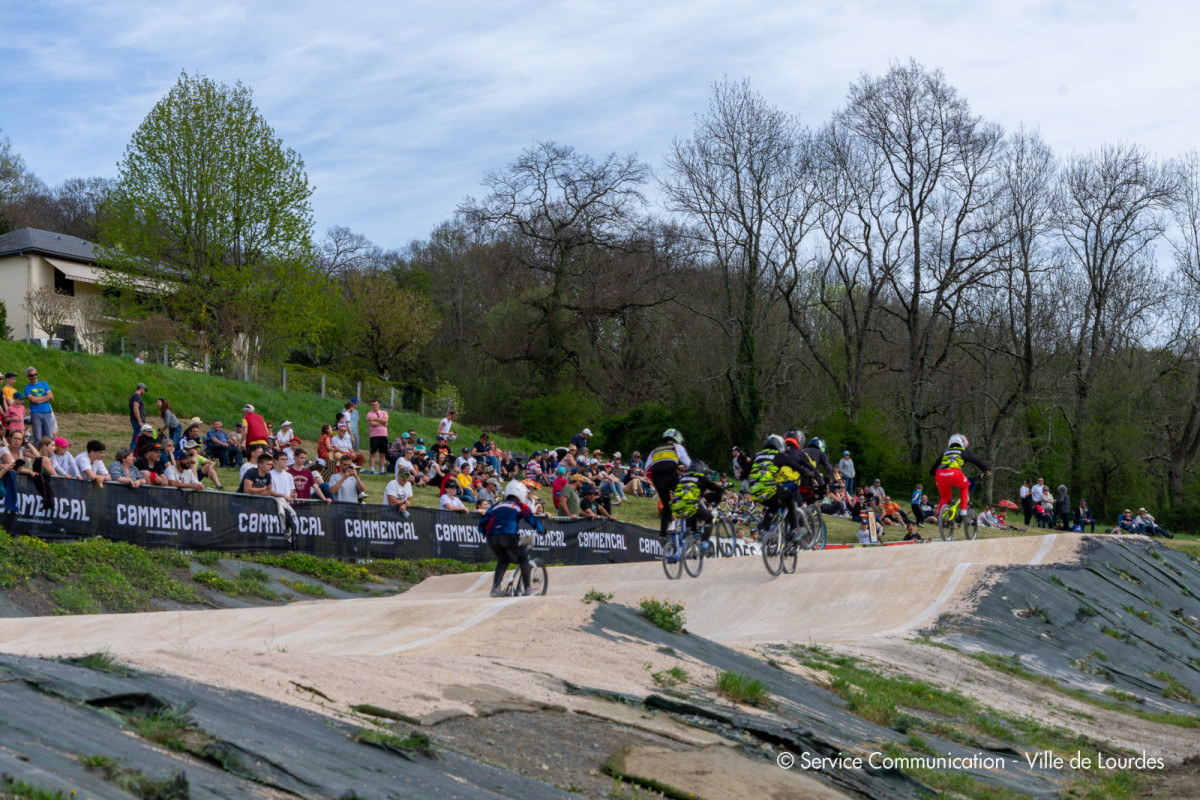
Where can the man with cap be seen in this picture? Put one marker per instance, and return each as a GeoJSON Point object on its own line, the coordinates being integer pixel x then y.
{"type": "Point", "coordinates": [64, 462]}
{"type": "Point", "coordinates": [590, 505]}
{"type": "Point", "coordinates": [580, 440]}
{"type": "Point", "coordinates": [398, 494]}
{"type": "Point", "coordinates": [151, 465]}
{"type": "Point", "coordinates": [566, 502]}
{"type": "Point", "coordinates": [876, 489]}
{"type": "Point", "coordinates": [137, 413]}
{"type": "Point", "coordinates": [846, 468]}
{"type": "Point", "coordinates": [91, 464]}
{"type": "Point", "coordinates": [182, 474]}
{"type": "Point", "coordinates": [254, 426]}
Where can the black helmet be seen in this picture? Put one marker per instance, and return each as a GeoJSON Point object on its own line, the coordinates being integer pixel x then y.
{"type": "Point", "coordinates": [773, 442]}
{"type": "Point", "coordinates": [817, 442]}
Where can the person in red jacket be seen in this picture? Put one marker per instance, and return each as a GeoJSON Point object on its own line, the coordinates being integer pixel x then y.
{"type": "Point", "coordinates": [255, 427]}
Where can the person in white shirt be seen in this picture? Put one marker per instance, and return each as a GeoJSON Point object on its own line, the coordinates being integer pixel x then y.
{"type": "Point", "coordinates": [465, 462]}
{"type": "Point", "coordinates": [445, 425]}
{"type": "Point", "coordinates": [398, 494]}
{"type": "Point", "coordinates": [64, 462]}
{"type": "Point", "coordinates": [403, 465]}
{"type": "Point", "coordinates": [450, 501]}
{"type": "Point", "coordinates": [282, 483]}
{"type": "Point", "coordinates": [284, 440]}
{"type": "Point", "coordinates": [91, 464]}
{"type": "Point", "coordinates": [182, 474]}
{"type": "Point", "coordinates": [342, 444]}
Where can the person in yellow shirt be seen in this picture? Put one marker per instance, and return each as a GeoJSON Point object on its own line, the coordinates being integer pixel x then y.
{"type": "Point", "coordinates": [9, 388]}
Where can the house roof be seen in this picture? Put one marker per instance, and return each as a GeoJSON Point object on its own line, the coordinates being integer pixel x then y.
{"type": "Point", "coordinates": [27, 240]}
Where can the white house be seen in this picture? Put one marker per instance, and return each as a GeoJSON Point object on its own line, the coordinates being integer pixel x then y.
{"type": "Point", "coordinates": [31, 258]}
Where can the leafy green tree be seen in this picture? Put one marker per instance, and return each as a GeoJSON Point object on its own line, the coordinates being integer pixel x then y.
{"type": "Point", "coordinates": [389, 325]}
{"type": "Point", "coordinates": [210, 223]}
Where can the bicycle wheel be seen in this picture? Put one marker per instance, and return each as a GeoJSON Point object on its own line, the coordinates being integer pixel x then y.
{"type": "Point", "coordinates": [671, 561]}
{"type": "Point", "coordinates": [945, 527]}
{"type": "Point", "coordinates": [815, 533]}
{"type": "Point", "coordinates": [539, 580]}
{"type": "Point", "coordinates": [772, 549]}
{"type": "Point", "coordinates": [970, 527]}
{"type": "Point", "coordinates": [788, 555]}
{"type": "Point", "coordinates": [693, 559]}
{"type": "Point", "coordinates": [723, 538]}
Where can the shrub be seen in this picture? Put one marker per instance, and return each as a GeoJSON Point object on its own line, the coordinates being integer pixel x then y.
{"type": "Point", "coordinates": [663, 613]}
{"type": "Point", "coordinates": [742, 689]}
{"type": "Point", "coordinates": [593, 596]}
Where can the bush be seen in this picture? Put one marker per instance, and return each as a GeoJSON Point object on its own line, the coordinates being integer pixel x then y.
{"type": "Point", "coordinates": [663, 613]}
{"type": "Point", "coordinates": [742, 689]}
{"type": "Point", "coordinates": [593, 596]}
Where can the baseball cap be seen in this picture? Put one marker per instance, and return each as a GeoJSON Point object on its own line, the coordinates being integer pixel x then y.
{"type": "Point", "coordinates": [591, 490]}
{"type": "Point", "coordinates": [420, 440]}
{"type": "Point", "coordinates": [61, 442]}
{"type": "Point", "coordinates": [248, 407]}
{"type": "Point", "coordinates": [576, 478]}
{"type": "Point", "coordinates": [13, 375]}
{"type": "Point", "coordinates": [139, 386]}
{"type": "Point", "coordinates": [735, 449]}
{"type": "Point", "coordinates": [404, 436]}
{"type": "Point", "coordinates": [562, 470]}
{"type": "Point", "coordinates": [147, 428]}
{"type": "Point", "coordinates": [617, 454]}
{"type": "Point", "coordinates": [587, 431]}
{"type": "Point", "coordinates": [190, 445]}
{"type": "Point", "coordinates": [878, 481]}
{"type": "Point", "coordinates": [353, 399]}
{"type": "Point", "coordinates": [845, 452]}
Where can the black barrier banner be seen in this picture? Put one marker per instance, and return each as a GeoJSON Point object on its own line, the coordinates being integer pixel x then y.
{"type": "Point", "coordinates": [153, 516]}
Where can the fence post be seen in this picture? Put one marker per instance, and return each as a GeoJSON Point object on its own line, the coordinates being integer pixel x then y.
{"type": "Point", "coordinates": [322, 385]}
{"type": "Point", "coordinates": [122, 345]}
{"type": "Point", "coordinates": [359, 394]}
{"type": "Point", "coordinates": [246, 371]}
{"type": "Point", "coordinates": [393, 398]}
{"type": "Point", "coordinates": [285, 379]}
{"type": "Point", "coordinates": [164, 355]}
{"type": "Point", "coordinates": [206, 367]}
{"type": "Point", "coordinates": [422, 404]}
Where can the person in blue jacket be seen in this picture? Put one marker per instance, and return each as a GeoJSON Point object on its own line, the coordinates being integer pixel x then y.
{"type": "Point", "coordinates": [500, 525]}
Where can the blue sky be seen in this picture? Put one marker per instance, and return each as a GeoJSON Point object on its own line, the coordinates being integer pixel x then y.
{"type": "Point", "coordinates": [398, 108]}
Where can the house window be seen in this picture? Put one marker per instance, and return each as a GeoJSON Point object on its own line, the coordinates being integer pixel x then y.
{"type": "Point", "coordinates": [63, 284]}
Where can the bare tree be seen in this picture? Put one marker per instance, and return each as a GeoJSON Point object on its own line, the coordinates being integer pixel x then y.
{"type": "Point", "coordinates": [92, 319]}
{"type": "Point", "coordinates": [49, 308]}
{"type": "Point", "coordinates": [343, 250]}
{"type": "Point", "coordinates": [1112, 209]}
{"type": "Point", "coordinates": [941, 164]}
{"type": "Point", "coordinates": [744, 182]}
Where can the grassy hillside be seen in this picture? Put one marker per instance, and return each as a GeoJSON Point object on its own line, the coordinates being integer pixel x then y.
{"type": "Point", "coordinates": [87, 384]}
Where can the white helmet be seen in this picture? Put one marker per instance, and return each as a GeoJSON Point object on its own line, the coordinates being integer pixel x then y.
{"type": "Point", "coordinates": [958, 440]}
{"type": "Point", "coordinates": [517, 489]}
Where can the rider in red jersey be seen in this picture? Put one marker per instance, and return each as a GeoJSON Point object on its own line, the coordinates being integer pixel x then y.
{"type": "Point", "coordinates": [947, 470]}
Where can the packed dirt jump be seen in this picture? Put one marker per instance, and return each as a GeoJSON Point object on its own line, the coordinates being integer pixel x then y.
{"type": "Point", "coordinates": [528, 685]}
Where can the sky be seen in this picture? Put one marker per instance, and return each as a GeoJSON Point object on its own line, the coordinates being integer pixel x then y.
{"type": "Point", "coordinates": [398, 109]}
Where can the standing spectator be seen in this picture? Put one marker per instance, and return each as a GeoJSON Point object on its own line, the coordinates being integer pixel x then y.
{"type": "Point", "coordinates": [917, 494]}
{"type": "Point", "coordinates": [846, 468]}
{"type": "Point", "coordinates": [140, 358]}
{"type": "Point", "coordinates": [1146, 522]}
{"type": "Point", "coordinates": [171, 422]}
{"type": "Point", "coordinates": [377, 438]}
{"type": "Point", "coordinates": [1083, 516]}
{"type": "Point", "coordinates": [217, 442]}
{"type": "Point", "coordinates": [308, 482]}
{"type": "Point", "coordinates": [91, 463]}
{"type": "Point", "coordinates": [447, 423]}
{"type": "Point", "coordinates": [1038, 494]}
{"type": "Point", "coordinates": [237, 440]}
{"type": "Point", "coordinates": [1027, 499]}
{"type": "Point", "coordinates": [9, 389]}
{"type": "Point", "coordinates": [64, 462]}
{"type": "Point", "coordinates": [346, 486]}
{"type": "Point", "coordinates": [255, 427]}
{"type": "Point", "coordinates": [1063, 509]}
{"type": "Point", "coordinates": [14, 415]}
{"type": "Point", "coordinates": [39, 396]}
{"type": "Point", "coordinates": [352, 421]}
{"type": "Point", "coordinates": [580, 439]}
{"type": "Point", "coordinates": [398, 494]}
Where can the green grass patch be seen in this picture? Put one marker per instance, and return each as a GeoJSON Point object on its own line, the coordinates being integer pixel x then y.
{"type": "Point", "coordinates": [250, 572]}
{"type": "Point", "coordinates": [208, 558]}
{"type": "Point", "coordinates": [102, 661]}
{"type": "Point", "coordinates": [416, 570]}
{"type": "Point", "coordinates": [742, 689]}
{"type": "Point", "coordinates": [13, 789]}
{"type": "Point", "coordinates": [1011, 665]}
{"type": "Point", "coordinates": [347, 577]}
{"type": "Point", "coordinates": [593, 596]}
{"type": "Point", "coordinates": [235, 587]}
{"type": "Point", "coordinates": [117, 772]}
{"type": "Point", "coordinates": [1174, 689]}
{"type": "Point", "coordinates": [671, 678]}
{"type": "Point", "coordinates": [663, 613]}
{"type": "Point", "coordinates": [401, 745]}
{"type": "Point", "coordinates": [309, 589]}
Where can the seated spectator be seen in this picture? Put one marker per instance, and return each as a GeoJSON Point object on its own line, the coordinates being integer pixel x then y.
{"type": "Point", "coordinates": [539, 508]}
{"type": "Point", "coordinates": [441, 446]}
{"type": "Point", "coordinates": [64, 462]}
{"type": "Point", "coordinates": [218, 446]}
{"type": "Point", "coordinates": [449, 500]}
{"type": "Point", "coordinates": [345, 484]}
{"type": "Point", "coordinates": [1149, 526]}
{"type": "Point", "coordinates": [1127, 524]}
{"type": "Point", "coordinates": [836, 501]}
{"type": "Point", "coordinates": [152, 465]}
{"type": "Point", "coordinates": [876, 489]}
{"type": "Point", "coordinates": [568, 461]}
{"type": "Point", "coordinates": [396, 450]}
{"type": "Point", "coordinates": [987, 518]}
{"type": "Point", "coordinates": [911, 534]}
{"type": "Point", "coordinates": [890, 513]}
{"type": "Point", "coordinates": [257, 480]}
{"type": "Point", "coordinates": [91, 463]}
{"type": "Point", "coordinates": [205, 467]}
{"type": "Point", "coordinates": [287, 440]}
{"type": "Point", "coordinates": [181, 474]}
{"type": "Point", "coordinates": [1044, 512]}
{"type": "Point", "coordinates": [343, 445]}
{"type": "Point", "coordinates": [325, 445]}
{"type": "Point", "coordinates": [509, 468]}
{"type": "Point", "coordinates": [636, 483]}
{"type": "Point", "coordinates": [465, 461]}
{"type": "Point", "coordinates": [859, 504]}
{"type": "Point", "coordinates": [125, 471]}
{"type": "Point", "coordinates": [590, 505]}
{"type": "Point", "coordinates": [146, 439]}
{"type": "Point", "coordinates": [237, 440]}
{"type": "Point", "coordinates": [533, 467]}
{"type": "Point", "coordinates": [168, 452]}
{"type": "Point", "coordinates": [488, 491]}
{"type": "Point", "coordinates": [436, 469]}
{"type": "Point", "coordinates": [1083, 517]}
{"type": "Point", "coordinates": [610, 484]}
{"type": "Point", "coordinates": [398, 494]}
{"type": "Point", "coordinates": [927, 509]}
{"type": "Point", "coordinates": [566, 501]}
{"type": "Point", "coordinates": [420, 467]}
